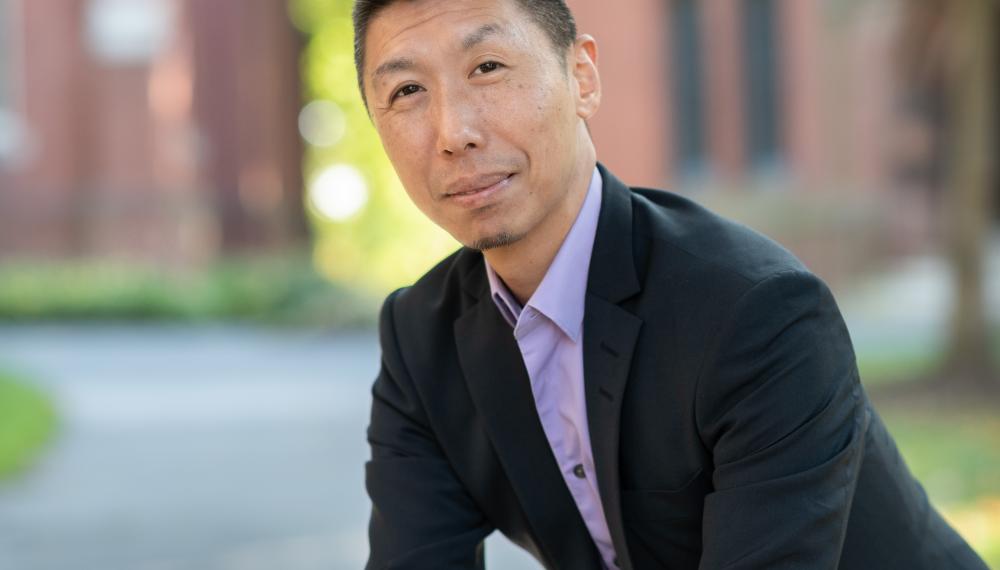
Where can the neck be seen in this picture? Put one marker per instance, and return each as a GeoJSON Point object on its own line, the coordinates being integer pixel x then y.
{"type": "Point", "coordinates": [522, 265]}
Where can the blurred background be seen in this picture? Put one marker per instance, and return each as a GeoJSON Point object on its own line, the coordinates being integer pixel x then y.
{"type": "Point", "coordinates": [198, 224]}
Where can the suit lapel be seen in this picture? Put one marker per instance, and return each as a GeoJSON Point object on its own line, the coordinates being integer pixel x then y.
{"type": "Point", "coordinates": [609, 337]}
{"type": "Point", "coordinates": [499, 385]}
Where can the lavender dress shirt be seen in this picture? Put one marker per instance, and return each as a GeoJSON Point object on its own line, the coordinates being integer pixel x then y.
{"type": "Point", "coordinates": [549, 331]}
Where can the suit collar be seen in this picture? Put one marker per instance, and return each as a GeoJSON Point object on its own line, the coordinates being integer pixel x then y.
{"type": "Point", "coordinates": [613, 275]}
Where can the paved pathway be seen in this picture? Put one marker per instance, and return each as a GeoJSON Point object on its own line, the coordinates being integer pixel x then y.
{"type": "Point", "coordinates": [196, 448]}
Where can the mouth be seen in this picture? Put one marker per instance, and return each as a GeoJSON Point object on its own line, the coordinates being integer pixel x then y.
{"type": "Point", "coordinates": [478, 191]}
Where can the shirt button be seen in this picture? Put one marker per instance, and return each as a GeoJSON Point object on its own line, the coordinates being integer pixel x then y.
{"type": "Point", "coordinates": [579, 472]}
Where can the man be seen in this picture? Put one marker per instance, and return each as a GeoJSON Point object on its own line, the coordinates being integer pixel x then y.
{"type": "Point", "coordinates": [612, 377]}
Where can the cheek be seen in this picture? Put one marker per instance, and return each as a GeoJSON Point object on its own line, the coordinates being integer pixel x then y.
{"type": "Point", "coordinates": [530, 114]}
{"type": "Point", "coordinates": [405, 143]}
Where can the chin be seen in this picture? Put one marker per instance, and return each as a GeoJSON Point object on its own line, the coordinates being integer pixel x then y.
{"type": "Point", "coordinates": [494, 241]}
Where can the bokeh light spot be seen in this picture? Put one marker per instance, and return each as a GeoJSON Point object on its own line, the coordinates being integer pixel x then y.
{"type": "Point", "coordinates": [321, 123]}
{"type": "Point", "coordinates": [338, 192]}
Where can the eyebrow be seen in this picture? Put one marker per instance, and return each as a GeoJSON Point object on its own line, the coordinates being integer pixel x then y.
{"type": "Point", "coordinates": [479, 36]}
{"type": "Point", "coordinates": [393, 66]}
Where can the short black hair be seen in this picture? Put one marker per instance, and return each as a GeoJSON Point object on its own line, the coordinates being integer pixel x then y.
{"type": "Point", "coordinates": [552, 16]}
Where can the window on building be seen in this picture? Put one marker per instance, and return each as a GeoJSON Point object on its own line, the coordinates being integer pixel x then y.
{"type": "Point", "coordinates": [5, 51]}
{"type": "Point", "coordinates": [688, 95]}
{"type": "Point", "coordinates": [762, 83]}
{"type": "Point", "coordinates": [996, 119]}
{"type": "Point", "coordinates": [126, 32]}
{"type": "Point", "coordinates": [12, 133]}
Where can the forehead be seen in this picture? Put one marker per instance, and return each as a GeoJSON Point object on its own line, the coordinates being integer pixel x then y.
{"type": "Point", "coordinates": [411, 29]}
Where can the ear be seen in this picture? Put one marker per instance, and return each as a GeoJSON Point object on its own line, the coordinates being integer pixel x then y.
{"type": "Point", "coordinates": [588, 81]}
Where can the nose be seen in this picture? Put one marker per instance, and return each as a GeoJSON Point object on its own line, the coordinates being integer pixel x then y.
{"type": "Point", "coordinates": [458, 124]}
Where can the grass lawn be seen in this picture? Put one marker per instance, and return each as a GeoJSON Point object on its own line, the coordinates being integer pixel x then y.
{"type": "Point", "coordinates": [953, 451]}
{"type": "Point", "coordinates": [956, 456]}
{"type": "Point", "coordinates": [27, 419]}
{"type": "Point", "coordinates": [265, 290]}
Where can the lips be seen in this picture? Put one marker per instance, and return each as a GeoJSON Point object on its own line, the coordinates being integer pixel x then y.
{"type": "Point", "coordinates": [477, 191]}
{"type": "Point", "coordinates": [473, 184]}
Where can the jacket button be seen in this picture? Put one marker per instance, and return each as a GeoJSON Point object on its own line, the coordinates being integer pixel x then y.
{"type": "Point", "coordinates": [579, 472]}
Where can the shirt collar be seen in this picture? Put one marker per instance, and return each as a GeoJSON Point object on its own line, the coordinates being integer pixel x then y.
{"type": "Point", "coordinates": [561, 294]}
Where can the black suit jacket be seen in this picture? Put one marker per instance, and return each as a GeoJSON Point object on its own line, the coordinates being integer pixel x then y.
{"type": "Point", "coordinates": [728, 426]}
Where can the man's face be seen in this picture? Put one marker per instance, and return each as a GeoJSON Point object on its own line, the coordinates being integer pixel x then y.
{"type": "Point", "coordinates": [480, 116]}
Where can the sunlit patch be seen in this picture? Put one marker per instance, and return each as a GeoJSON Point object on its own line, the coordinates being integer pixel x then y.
{"type": "Point", "coordinates": [129, 31]}
{"type": "Point", "coordinates": [13, 137]}
{"type": "Point", "coordinates": [979, 523]}
{"type": "Point", "coordinates": [321, 123]}
{"type": "Point", "coordinates": [338, 192]}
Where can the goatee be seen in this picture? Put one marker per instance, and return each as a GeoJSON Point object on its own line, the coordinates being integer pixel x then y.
{"type": "Point", "coordinates": [501, 239]}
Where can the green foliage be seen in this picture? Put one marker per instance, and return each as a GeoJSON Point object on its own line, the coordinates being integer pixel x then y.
{"type": "Point", "coordinates": [275, 290]}
{"type": "Point", "coordinates": [892, 362]}
{"type": "Point", "coordinates": [896, 364]}
{"type": "Point", "coordinates": [956, 456]}
{"type": "Point", "coordinates": [389, 243]}
{"type": "Point", "coordinates": [27, 420]}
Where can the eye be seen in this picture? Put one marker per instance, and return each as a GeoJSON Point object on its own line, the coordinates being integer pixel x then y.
{"type": "Point", "coordinates": [406, 91]}
{"type": "Point", "coordinates": [487, 67]}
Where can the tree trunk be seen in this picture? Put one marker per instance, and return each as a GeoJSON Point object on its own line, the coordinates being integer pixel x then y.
{"type": "Point", "coordinates": [972, 143]}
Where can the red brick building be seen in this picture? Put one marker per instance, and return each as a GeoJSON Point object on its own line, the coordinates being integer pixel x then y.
{"type": "Point", "coordinates": [776, 101]}
{"type": "Point", "coordinates": [156, 129]}
{"type": "Point", "coordinates": [714, 91]}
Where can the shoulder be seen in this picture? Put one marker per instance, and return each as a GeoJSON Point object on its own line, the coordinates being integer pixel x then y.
{"type": "Point", "coordinates": [676, 230]}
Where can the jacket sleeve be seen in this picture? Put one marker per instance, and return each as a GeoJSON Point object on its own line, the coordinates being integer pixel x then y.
{"type": "Point", "coordinates": [780, 407]}
{"type": "Point", "coordinates": [422, 516]}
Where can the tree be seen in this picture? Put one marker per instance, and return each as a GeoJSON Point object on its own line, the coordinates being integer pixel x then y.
{"type": "Point", "coordinates": [950, 48]}
{"type": "Point", "coordinates": [971, 175]}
